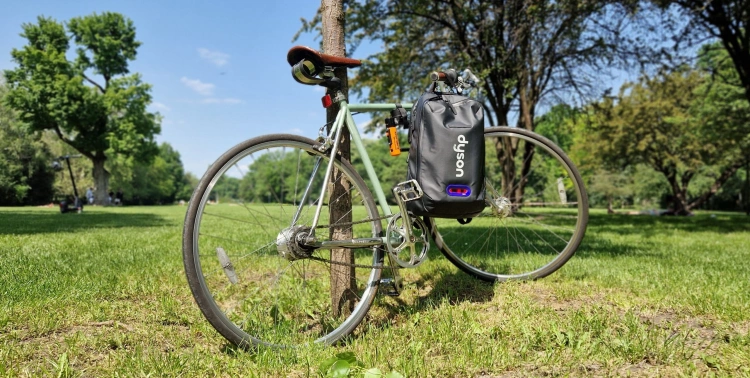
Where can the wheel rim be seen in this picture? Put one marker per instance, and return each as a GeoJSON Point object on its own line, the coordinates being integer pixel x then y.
{"type": "Point", "coordinates": [519, 236]}
{"type": "Point", "coordinates": [251, 294]}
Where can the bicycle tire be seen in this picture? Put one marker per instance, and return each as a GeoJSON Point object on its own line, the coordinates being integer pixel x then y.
{"type": "Point", "coordinates": [535, 234]}
{"type": "Point", "coordinates": [238, 318]}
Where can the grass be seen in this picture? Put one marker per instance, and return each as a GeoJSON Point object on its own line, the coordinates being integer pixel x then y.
{"type": "Point", "coordinates": [103, 293]}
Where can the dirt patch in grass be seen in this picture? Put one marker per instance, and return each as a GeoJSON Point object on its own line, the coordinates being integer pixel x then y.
{"type": "Point", "coordinates": [700, 338]}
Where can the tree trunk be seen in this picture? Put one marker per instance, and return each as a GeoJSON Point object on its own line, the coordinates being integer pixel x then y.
{"type": "Point", "coordinates": [343, 283]}
{"type": "Point", "coordinates": [609, 205]}
{"type": "Point", "coordinates": [679, 196]}
{"type": "Point", "coordinates": [101, 182]}
{"type": "Point", "coordinates": [528, 156]}
{"type": "Point", "coordinates": [505, 149]}
{"type": "Point", "coordinates": [726, 175]}
{"type": "Point", "coordinates": [746, 189]}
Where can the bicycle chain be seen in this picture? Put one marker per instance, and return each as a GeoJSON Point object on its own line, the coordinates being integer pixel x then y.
{"type": "Point", "coordinates": [353, 265]}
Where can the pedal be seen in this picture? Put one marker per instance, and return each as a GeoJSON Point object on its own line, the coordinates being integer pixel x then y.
{"type": "Point", "coordinates": [389, 286]}
{"type": "Point", "coordinates": [408, 191]}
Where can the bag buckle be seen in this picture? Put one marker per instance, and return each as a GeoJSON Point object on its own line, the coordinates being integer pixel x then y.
{"type": "Point", "coordinates": [408, 190]}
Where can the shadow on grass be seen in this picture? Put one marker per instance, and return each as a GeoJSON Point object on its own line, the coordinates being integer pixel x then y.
{"type": "Point", "coordinates": [649, 226]}
{"type": "Point", "coordinates": [439, 285]}
{"type": "Point", "coordinates": [29, 223]}
{"type": "Point", "coordinates": [650, 232]}
{"type": "Point", "coordinates": [454, 287]}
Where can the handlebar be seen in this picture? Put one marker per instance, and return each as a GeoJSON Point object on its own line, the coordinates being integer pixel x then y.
{"type": "Point", "coordinates": [467, 79]}
{"type": "Point", "coordinates": [450, 76]}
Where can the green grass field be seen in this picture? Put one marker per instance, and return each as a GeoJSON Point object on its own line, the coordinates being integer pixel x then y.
{"type": "Point", "coordinates": [104, 294]}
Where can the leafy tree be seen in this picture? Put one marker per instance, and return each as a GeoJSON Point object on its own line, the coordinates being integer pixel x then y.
{"type": "Point", "coordinates": [526, 51]}
{"type": "Point", "coordinates": [228, 188]}
{"type": "Point", "coordinates": [189, 183]}
{"type": "Point", "coordinates": [156, 182]}
{"type": "Point", "coordinates": [728, 21]}
{"type": "Point", "coordinates": [610, 185]}
{"type": "Point", "coordinates": [99, 119]}
{"type": "Point", "coordinates": [25, 176]}
{"type": "Point", "coordinates": [669, 123]}
{"type": "Point", "coordinates": [557, 125]}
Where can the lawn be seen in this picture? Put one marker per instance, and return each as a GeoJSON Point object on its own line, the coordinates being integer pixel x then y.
{"type": "Point", "coordinates": [103, 293]}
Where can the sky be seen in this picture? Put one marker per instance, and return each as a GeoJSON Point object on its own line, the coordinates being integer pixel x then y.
{"type": "Point", "coordinates": [218, 69]}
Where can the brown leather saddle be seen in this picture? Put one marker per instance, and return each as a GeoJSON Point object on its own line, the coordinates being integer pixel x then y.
{"type": "Point", "coordinates": [320, 60]}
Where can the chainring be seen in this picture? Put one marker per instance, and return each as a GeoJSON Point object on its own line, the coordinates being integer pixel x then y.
{"type": "Point", "coordinates": [407, 253]}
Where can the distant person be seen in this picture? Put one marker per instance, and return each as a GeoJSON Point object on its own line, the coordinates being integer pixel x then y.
{"type": "Point", "coordinates": [118, 197]}
{"type": "Point", "coordinates": [90, 195]}
{"type": "Point", "coordinates": [65, 205]}
{"type": "Point", "coordinates": [111, 197]}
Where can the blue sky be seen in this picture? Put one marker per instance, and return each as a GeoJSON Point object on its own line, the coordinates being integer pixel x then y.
{"type": "Point", "coordinates": [218, 69]}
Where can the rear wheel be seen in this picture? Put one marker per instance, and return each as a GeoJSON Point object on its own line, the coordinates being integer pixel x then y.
{"type": "Point", "coordinates": [242, 223]}
{"type": "Point", "coordinates": [536, 214]}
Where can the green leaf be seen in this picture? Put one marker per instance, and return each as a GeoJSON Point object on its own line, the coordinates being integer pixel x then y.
{"type": "Point", "coordinates": [348, 357]}
{"type": "Point", "coordinates": [326, 364]}
{"type": "Point", "coordinates": [394, 374]}
{"type": "Point", "coordinates": [339, 369]}
{"type": "Point", "coordinates": [373, 373]}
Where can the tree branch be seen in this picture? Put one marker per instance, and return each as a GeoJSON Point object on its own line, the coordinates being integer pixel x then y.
{"type": "Point", "coordinates": [93, 82]}
{"type": "Point", "coordinates": [70, 142]}
{"type": "Point", "coordinates": [717, 184]}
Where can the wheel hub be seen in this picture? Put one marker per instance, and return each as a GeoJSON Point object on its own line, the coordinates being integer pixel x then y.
{"type": "Point", "coordinates": [502, 207]}
{"type": "Point", "coordinates": [288, 243]}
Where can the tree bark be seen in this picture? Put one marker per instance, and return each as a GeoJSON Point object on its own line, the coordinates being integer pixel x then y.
{"type": "Point", "coordinates": [679, 195]}
{"type": "Point", "coordinates": [101, 181]}
{"type": "Point", "coordinates": [343, 280]}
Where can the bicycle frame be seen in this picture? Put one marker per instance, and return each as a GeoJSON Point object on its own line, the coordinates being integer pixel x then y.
{"type": "Point", "coordinates": [344, 120]}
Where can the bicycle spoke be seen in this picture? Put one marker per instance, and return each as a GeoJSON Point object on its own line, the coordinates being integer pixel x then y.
{"type": "Point", "coordinates": [538, 231]}
{"type": "Point", "coordinates": [252, 265]}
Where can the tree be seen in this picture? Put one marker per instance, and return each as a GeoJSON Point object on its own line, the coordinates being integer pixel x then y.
{"type": "Point", "coordinates": [670, 123]}
{"type": "Point", "coordinates": [158, 181]}
{"type": "Point", "coordinates": [342, 276]}
{"type": "Point", "coordinates": [25, 174]}
{"type": "Point", "coordinates": [726, 20]}
{"type": "Point", "coordinates": [557, 125]}
{"type": "Point", "coordinates": [611, 185]}
{"type": "Point", "coordinates": [100, 119]}
{"type": "Point", "coordinates": [189, 183]}
{"type": "Point", "coordinates": [526, 51]}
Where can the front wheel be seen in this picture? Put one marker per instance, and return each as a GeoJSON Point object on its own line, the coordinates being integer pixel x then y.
{"type": "Point", "coordinates": [243, 260]}
{"type": "Point", "coordinates": [536, 214]}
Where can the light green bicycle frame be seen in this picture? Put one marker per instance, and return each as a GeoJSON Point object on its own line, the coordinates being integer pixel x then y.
{"type": "Point", "coordinates": [344, 118]}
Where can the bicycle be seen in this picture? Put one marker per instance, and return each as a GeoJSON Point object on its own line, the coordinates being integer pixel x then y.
{"type": "Point", "coordinates": [260, 269]}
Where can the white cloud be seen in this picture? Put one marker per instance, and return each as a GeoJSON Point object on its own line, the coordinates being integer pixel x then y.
{"type": "Point", "coordinates": [216, 57]}
{"type": "Point", "coordinates": [227, 100]}
{"type": "Point", "coordinates": [200, 87]}
{"type": "Point", "coordinates": [160, 106]}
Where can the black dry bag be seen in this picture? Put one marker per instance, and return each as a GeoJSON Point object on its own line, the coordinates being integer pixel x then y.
{"type": "Point", "coordinates": [446, 156]}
